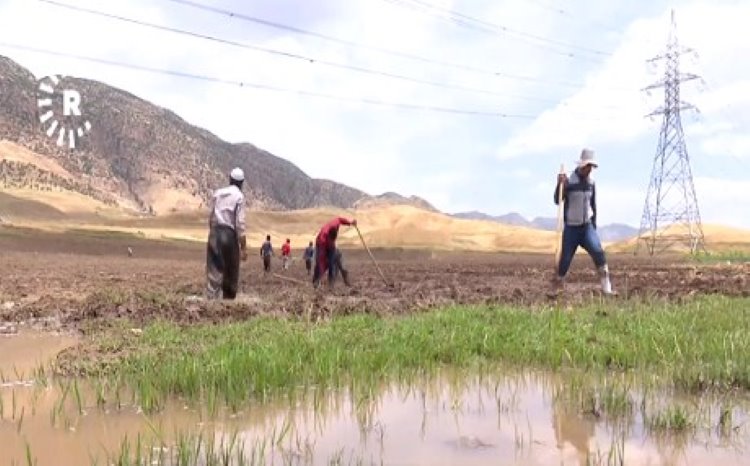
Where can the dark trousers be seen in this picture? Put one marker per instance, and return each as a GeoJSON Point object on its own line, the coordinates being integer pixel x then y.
{"type": "Point", "coordinates": [324, 260]}
{"type": "Point", "coordinates": [584, 236]}
{"type": "Point", "coordinates": [222, 262]}
{"type": "Point", "coordinates": [333, 261]}
{"type": "Point", "coordinates": [267, 263]}
{"type": "Point", "coordinates": [308, 265]}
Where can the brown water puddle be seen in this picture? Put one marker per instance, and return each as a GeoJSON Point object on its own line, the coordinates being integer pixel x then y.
{"type": "Point", "coordinates": [25, 350]}
{"type": "Point", "coordinates": [513, 419]}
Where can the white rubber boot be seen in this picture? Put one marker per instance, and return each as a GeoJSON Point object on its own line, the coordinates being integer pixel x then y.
{"type": "Point", "coordinates": [604, 278]}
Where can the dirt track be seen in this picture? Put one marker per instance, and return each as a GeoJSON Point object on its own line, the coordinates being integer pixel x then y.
{"type": "Point", "coordinates": [75, 279]}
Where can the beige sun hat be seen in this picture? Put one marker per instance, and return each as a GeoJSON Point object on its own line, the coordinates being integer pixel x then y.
{"type": "Point", "coordinates": [587, 158]}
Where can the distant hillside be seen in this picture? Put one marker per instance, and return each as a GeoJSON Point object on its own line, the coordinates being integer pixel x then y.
{"type": "Point", "coordinates": [608, 233]}
{"type": "Point", "coordinates": [718, 238]}
{"type": "Point", "coordinates": [391, 198]}
{"type": "Point", "coordinates": [389, 226]}
{"type": "Point", "coordinates": [508, 219]}
{"type": "Point", "coordinates": [617, 232]}
{"type": "Point", "coordinates": [143, 157]}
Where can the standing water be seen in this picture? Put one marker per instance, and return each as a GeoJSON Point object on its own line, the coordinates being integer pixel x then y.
{"type": "Point", "coordinates": [528, 418]}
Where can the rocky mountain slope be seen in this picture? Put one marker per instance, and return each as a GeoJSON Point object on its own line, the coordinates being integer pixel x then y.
{"type": "Point", "coordinates": [145, 157]}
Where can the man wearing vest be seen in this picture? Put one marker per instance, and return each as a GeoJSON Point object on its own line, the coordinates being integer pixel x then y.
{"type": "Point", "coordinates": [579, 196]}
{"type": "Point", "coordinates": [226, 238]}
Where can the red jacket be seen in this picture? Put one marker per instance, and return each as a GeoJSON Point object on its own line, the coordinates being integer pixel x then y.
{"type": "Point", "coordinates": [286, 249]}
{"type": "Point", "coordinates": [323, 239]}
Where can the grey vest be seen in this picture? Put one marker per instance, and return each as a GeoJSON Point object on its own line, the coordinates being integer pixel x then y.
{"type": "Point", "coordinates": [580, 200]}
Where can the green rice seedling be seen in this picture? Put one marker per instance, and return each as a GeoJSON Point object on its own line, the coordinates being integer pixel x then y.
{"type": "Point", "coordinates": [78, 397]}
{"type": "Point", "coordinates": [99, 390]}
{"type": "Point", "coordinates": [53, 416]}
{"type": "Point", "coordinates": [138, 449]}
{"type": "Point", "coordinates": [617, 450]}
{"type": "Point", "coordinates": [616, 401]}
{"type": "Point", "coordinates": [65, 389]}
{"type": "Point", "coordinates": [155, 430]}
{"type": "Point", "coordinates": [19, 425]}
{"type": "Point", "coordinates": [185, 449]}
{"type": "Point", "coordinates": [40, 375]}
{"type": "Point", "coordinates": [286, 427]}
{"type": "Point", "coordinates": [725, 423]}
{"type": "Point", "coordinates": [674, 418]}
{"type": "Point", "coordinates": [30, 460]}
{"type": "Point", "coordinates": [35, 399]}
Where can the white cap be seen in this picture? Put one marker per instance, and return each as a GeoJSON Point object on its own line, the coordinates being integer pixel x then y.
{"type": "Point", "coordinates": [237, 174]}
{"type": "Point", "coordinates": [587, 158]}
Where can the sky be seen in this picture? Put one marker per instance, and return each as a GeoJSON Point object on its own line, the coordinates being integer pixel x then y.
{"type": "Point", "coordinates": [536, 81]}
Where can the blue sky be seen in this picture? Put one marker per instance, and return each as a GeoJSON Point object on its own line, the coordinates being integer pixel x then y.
{"type": "Point", "coordinates": [457, 162]}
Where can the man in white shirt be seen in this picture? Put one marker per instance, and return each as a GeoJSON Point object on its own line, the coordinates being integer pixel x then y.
{"type": "Point", "coordinates": [226, 238]}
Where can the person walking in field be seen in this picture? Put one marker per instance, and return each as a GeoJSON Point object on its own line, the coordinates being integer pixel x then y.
{"type": "Point", "coordinates": [266, 252]}
{"type": "Point", "coordinates": [286, 254]}
{"type": "Point", "coordinates": [308, 256]}
{"type": "Point", "coordinates": [325, 250]}
{"type": "Point", "coordinates": [226, 238]}
{"type": "Point", "coordinates": [579, 197]}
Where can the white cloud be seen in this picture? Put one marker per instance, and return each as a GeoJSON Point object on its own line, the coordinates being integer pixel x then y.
{"type": "Point", "coordinates": [619, 203]}
{"type": "Point", "coordinates": [723, 201]}
{"type": "Point", "coordinates": [563, 128]}
{"type": "Point", "coordinates": [735, 145]}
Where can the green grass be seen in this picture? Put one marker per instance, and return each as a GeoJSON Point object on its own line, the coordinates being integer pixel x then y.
{"type": "Point", "coordinates": [673, 419]}
{"type": "Point", "coordinates": [698, 345]}
{"type": "Point", "coordinates": [736, 256]}
{"type": "Point", "coordinates": [204, 449]}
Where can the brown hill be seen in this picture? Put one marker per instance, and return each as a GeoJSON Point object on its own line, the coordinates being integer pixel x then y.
{"type": "Point", "coordinates": [390, 226]}
{"type": "Point", "coordinates": [140, 156]}
{"type": "Point", "coordinates": [717, 238]}
{"type": "Point", "coordinates": [393, 199]}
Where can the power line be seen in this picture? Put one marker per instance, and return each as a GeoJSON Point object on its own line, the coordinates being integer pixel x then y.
{"type": "Point", "coordinates": [363, 46]}
{"type": "Point", "coordinates": [295, 56]}
{"type": "Point", "coordinates": [267, 87]}
{"type": "Point", "coordinates": [485, 26]}
{"type": "Point", "coordinates": [572, 16]}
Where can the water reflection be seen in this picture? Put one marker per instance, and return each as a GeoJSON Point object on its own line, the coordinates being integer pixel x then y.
{"type": "Point", "coordinates": [575, 429]}
{"type": "Point", "coordinates": [454, 418]}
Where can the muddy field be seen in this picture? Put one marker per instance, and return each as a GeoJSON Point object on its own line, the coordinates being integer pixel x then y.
{"type": "Point", "coordinates": [69, 279]}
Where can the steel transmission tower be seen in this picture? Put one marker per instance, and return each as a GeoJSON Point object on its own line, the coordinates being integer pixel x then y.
{"type": "Point", "coordinates": [670, 214]}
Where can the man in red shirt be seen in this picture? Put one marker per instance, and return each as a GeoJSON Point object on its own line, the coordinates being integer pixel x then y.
{"type": "Point", "coordinates": [286, 254]}
{"type": "Point", "coordinates": [325, 249]}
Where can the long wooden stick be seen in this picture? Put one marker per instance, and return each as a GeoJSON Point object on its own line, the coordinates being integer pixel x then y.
{"type": "Point", "coordinates": [290, 279]}
{"type": "Point", "coordinates": [371, 256]}
{"type": "Point", "coordinates": [560, 202]}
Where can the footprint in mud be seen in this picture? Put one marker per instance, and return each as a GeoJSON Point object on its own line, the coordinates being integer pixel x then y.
{"type": "Point", "coordinates": [469, 443]}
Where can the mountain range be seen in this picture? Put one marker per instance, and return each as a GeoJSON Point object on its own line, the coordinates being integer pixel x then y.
{"type": "Point", "coordinates": [611, 232]}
